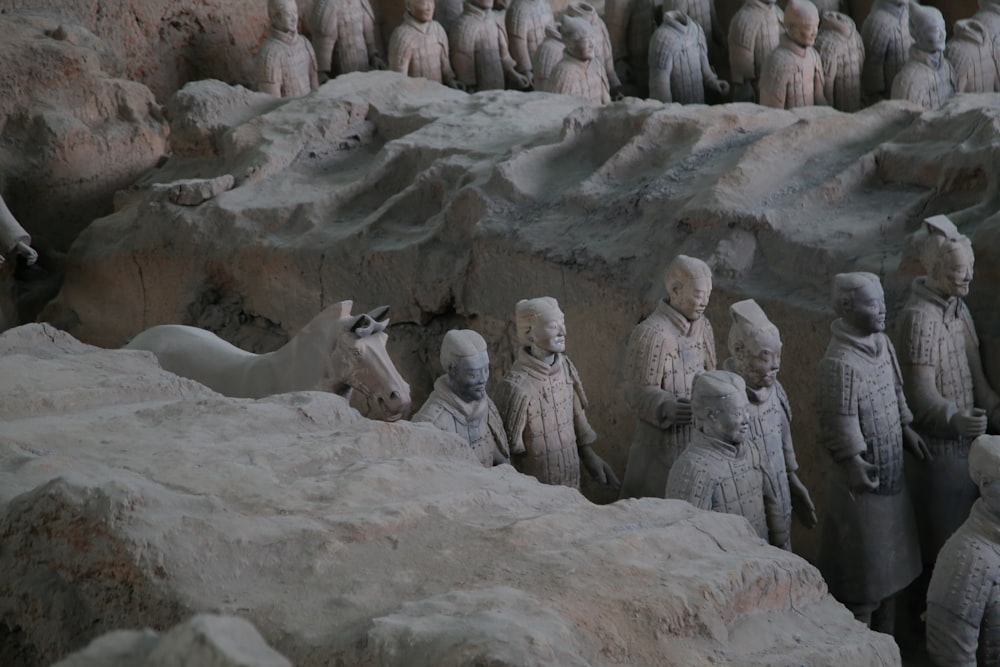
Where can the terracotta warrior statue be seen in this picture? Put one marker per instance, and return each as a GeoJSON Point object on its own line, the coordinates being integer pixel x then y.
{"type": "Point", "coordinates": [664, 353]}
{"type": "Point", "coordinates": [868, 547]}
{"type": "Point", "coordinates": [602, 42]}
{"type": "Point", "coordinates": [963, 602]}
{"type": "Point", "coordinates": [753, 33]}
{"type": "Point", "coordinates": [548, 55]}
{"type": "Point", "coordinates": [701, 12]}
{"type": "Point", "coordinates": [970, 52]}
{"type": "Point", "coordinates": [578, 73]}
{"type": "Point", "coordinates": [792, 75]}
{"type": "Point", "coordinates": [543, 404]}
{"type": "Point", "coordinates": [946, 386]}
{"type": "Point", "coordinates": [989, 16]}
{"type": "Point", "coordinates": [886, 35]}
{"type": "Point", "coordinates": [286, 64]}
{"type": "Point", "coordinates": [459, 403]}
{"type": "Point", "coordinates": [526, 21]}
{"type": "Point", "coordinates": [14, 241]}
{"type": "Point", "coordinates": [843, 54]}
{"type": "Point", "coordinates": [755, 346]}
{"type": "Point", "coordinates": [630, 25]}
{"type": "Point", "coordinates": [419, 46]}
{"type": "Point", "coordinates": [679, 70]}
{"type": "Point", "coordinates": [926, 78]}
{"type": "Point", "coordinates": [479, 50]}
{"type": "Point", "coordinates": [446, 12]}
{"type": "Point", "coordinates": [346, 37]}
{"type": "Point", "coordinates": [715, 472]}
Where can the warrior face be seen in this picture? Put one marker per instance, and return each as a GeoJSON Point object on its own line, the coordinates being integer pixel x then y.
{"type": "Point", "coordinates": [760, 368]}
{"type": "Point", "coordinates": [952, 273]}
{"type": "Point", "coordinates": [803, 26]}
{"type": "Point", "coordinates": [549, 333]}
{"type": "Point", "coordinates": [728, 420]}
{"type": "Point", "coordinates": [284, 15]}
{"type": "Point", "coordinates": [867, 312]}
{"type": "Point", "coordinates": [422, 10]}
{"type": "Point", "coordinates": [690, 297]}
{"type": "Point", "coordinates": [468, 375]}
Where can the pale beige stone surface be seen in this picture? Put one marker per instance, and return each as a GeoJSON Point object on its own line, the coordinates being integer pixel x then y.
{"type": "Point", "coordinates": [134, 499]}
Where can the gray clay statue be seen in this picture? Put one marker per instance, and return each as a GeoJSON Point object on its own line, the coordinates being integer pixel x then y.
{"type": "Point", "coordinates": [459, 404]}
{"type": "Point", "coordinates": [868, 546]}
{"type": "Point", "coordinates": [886, 35]}
{"type": "Point", "coordinates": [346, 37]}
{"type": "Point", "coordinates": [664, 353]}
{"type": "Point", "coordinates": [945, 384]}
{"type": "Point", "coordinates": [354, 345]}
{"type": "Point", "coordinates": [753, 33]}
{"type": "Point", "coordinates": [602, 42]}
{"type": "Point", "coordinates": [792, 75]}
{"type": "Point", "coordinates": [679, 70]}
{"type": "Point", "coordinates": [701, 12]}
{"type": "Point", "coordinates": [526, 21]}
{"type": "Point", "coordinates": [755, 346]}
{"type": "Point", "coordinates": [479, 52]}
{"type": "Point", "coordinates": [446, 12]}
{"type": "Point", "coordinates": [630, 25]}
{"type": "Point", "coordinates": [989, 16]}
{"type": "Point", "coordinates": [715, 472]}
{"type": "Point", "coordinates": [14, 240]}
{"type": "Point", "coordinates": [970, 52]}
{"type": "Point", "coordinates": [548, 55]}
{"type": "Point", "coordinates": [419, 46]}
{"type": "Point", "coordinates": [579, 73]}
{"type": "Point", "coordinates": [286, 63]}
{"type": "Point", "coordinates": [543, 404]}
{"type": "Point", "coordinates": [926, 78]}
{"type": "Point", "coordinates": [843, 55]}
{"type": "Point", "coordinates": [963, 601]}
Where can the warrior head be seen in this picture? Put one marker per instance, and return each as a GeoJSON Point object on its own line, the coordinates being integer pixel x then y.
{"type": "Point", "coordinates": [541, 325]}
{"type": "Point", "coordinates": [719, 404]}
{"type": "Point", "coordinates": [755, 344]}
{"type": "Point", "coordinates": [801, 22]}
{"type": "Point", "coordinates": [465, 359]}
{"type": "Point", "coordinates": [689, 285]}
{"type": "Point", "coordinates": [859, 300]}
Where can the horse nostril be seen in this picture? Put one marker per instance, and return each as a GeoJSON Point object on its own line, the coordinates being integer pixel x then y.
{"type": "Point", "coordinates": [394, 396]}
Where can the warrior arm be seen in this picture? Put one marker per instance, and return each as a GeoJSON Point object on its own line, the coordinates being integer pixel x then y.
{"type": "Point", "coordinates": [691, 482]}
{"type": "Point", "coordinates": [512, 406]}
{"type": "Point", "coordinates": [951, 640]}
{"type": "Point", "coordinates": [616, 18]}
{"type": "Point", "coordinates": [774, 515]}
{"type": "Point", "coordinates": [326, 35]}
{"type": "Point", "coordinates": [819, 84]}
{"type": "Point", "coordinates": [463, 58]}
{"type": "Point", "coordinates": [840, 427]}
{"type": "Point", "coordinates": [501, 450]}
{"type": "Point", "coordinates": [518, 46]}
{"type": "Point", "coordinates": [373, 36]}
{"type": "Point", "coordinates": [659, 80]}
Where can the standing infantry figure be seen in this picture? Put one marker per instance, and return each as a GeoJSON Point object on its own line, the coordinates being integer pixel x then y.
{"type": "Point", "coordinates": [970, 53]}
{"type": "Point", "coordinates": [286, 64]}
{"type": "Point", "coordinates": [679, 70]}
{"type": "Point", "coordinates": [346, 37]}
{"type": "Point", "coordinates": [577, 73]}
{"type": "Point", "coordinates": [886, 35]}
{"type": "Point", "coordinates": [945, 384]}
{"type": "Point", "coordinates": [989, 16]}
{"type": "Point", "coordinates": [419, 46]}
{"type": "Point", "coordinates": [715, 472]}
{"type": "Point", "coordinates": [543, 405]}
{"type": "Point", "coordinates": [963, 602]}
{"type": "Point", "coordinates": [14, 240]}
{"type": "Point", "coordinates": [526, 21]}
{"type": "Point", "coordinates": [753, 34]}
{"type": "Point", "coordinates": [602, 42]}
{"type": "Point", "coordinates": [702, 12]}
{"type": "Point", "coordinates": [479, 50]}
{"type": "Point", "coordinates": [548, 55]}
{"type": "Point", "coordinates": [755, 346]}
{"type": "Point", "coordinates": [459, 403]}
{"type": "Point", "coordinates": [664, 353]}
{"type": "Point", "coordinates": [793, 73]}
{"type": "Point", "coordinates": [927, 78]}
{"type": "Point", "coordinates": [868, 547]}
{"type": "Point", "coordinates": [630, 25]}
{"type": "Point", "coordinates": [843, 54]}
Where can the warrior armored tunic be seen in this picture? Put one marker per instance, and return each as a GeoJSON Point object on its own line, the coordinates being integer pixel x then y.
{"type": "Point", "coordinates": [868, 546]}
{"type": "Point", "coordinates": [678, 61]}
{"type": "Point", "coordinates": [287, 61]}
{"type": "Point", "coordinates": [717, 476]}
{"type": "Point", "coordinates": [842, 53]}
{"type": "Point", "coordinates": [420, 50]}
{"type": "Point", "coordinates": [477, 422]}
{"type": "Point", "coordinates": [970, 53]}
{"type": "Point", "coordinates": [479, 51]}
{"type": "Point", "coordinates": [583, 78]}
{"type": "Point", "coordinates": [887, 46]}
{"type": "Point", "coordinates": [702, 12]}
{"type": "Point", "coordinates": [926, 79]}
{"type": "Point", "coordinates": [963, 601]}
{"type": "Point", "coordinates": [543, 410]}
{"type": "Point", "coordinates": [548, 55]}
{"type": "Point", "coordinates": [664, 353]}
{"type": "Point", "coordinates": [938, 333]}
{"type": "Point", "coordinates": [791, 77]}
{"type": "Point", "coordinates": [346, 36]}
{"type": "Point", "coordinates": [526, 21]}
{"type": "Point", "coordinates": [602, 41]}
{"type": "Point", "coordinates": [753, 34]}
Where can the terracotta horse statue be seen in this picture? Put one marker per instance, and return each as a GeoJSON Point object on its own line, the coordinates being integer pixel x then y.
{"type": "Point", "coordinates": [335, 352]}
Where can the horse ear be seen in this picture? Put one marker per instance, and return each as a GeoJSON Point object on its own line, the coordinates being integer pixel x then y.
{"type": "Point", "coordinates": [361, 322]}
{"type": "Point", "coordinates": [379, 314]}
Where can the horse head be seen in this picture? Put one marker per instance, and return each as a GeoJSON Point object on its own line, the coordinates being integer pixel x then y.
{"type": "Point", "coordinates": [368, 367]}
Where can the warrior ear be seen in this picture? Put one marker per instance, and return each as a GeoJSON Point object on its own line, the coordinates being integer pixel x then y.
{"type": "Point", "coordinates": [380, 313]}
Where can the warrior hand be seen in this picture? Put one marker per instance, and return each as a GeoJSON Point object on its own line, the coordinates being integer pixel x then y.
{"type": "Point", "coordinates": [722, 87]}
{"type": "Point", "coordinates": [598, 468]}
{"type": "Point", "coordinates": [861, 475]}
{"type": "Point", "coordinates": [969, 424]}
{"type": "Point", "coordinates": [521, 82]}
{"type": "Point", "coordinates": [802, 503]}
{"type": "Point", "coordinates": [26, 251]}
{"type": "Point", "coordinates": [378, 62]}
{"type": "Point", "coordinates": [617, 95]}
{"type": "Point", "coordinates": [457, 85]}
{"type": "Point", "coordinates": [674, 411]}
{"type": "Point", "coordinates": [916, 444]}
